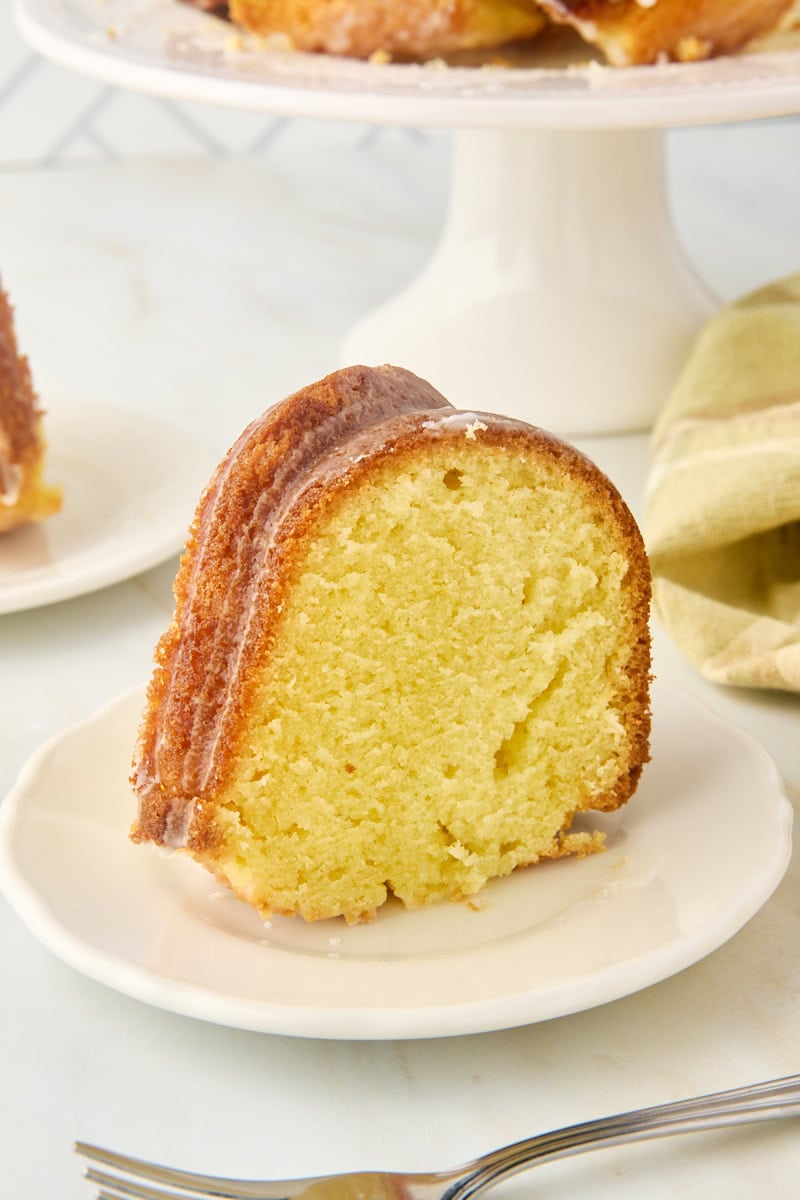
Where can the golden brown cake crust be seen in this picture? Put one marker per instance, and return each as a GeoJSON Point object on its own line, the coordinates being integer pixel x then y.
{"type": "Point", "coordinates": [273, 488]}
{"type": "Point", "coordinates": [22, 497]}
{"type": "Point", "coordinates": [629, 32]}
{"type": "Point", "coordinates": [18, 411]}
{"type": "Point", "coordinates": [248, 511]}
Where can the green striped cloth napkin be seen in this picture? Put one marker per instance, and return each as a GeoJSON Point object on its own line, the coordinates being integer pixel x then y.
{"type": "Point", "coordinates": [722, 508]}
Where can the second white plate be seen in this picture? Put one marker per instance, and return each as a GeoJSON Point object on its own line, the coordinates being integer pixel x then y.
{"type": "Point", "coordinates": [130, 482]}
{"type": "Point", "coordinates": [694, 855]}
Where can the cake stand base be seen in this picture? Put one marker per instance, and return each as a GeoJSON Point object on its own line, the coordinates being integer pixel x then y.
{"type": "Point", "coordinates": [558, 292]}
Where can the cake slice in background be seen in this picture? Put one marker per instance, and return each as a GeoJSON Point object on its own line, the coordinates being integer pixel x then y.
{"type": "Point", "coordinates": [24, 497]}
{"type": "Point", "coordinates": [410, 644]}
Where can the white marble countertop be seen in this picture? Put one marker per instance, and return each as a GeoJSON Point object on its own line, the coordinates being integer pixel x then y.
{"type": "Point", "coordinates": [250, 272]}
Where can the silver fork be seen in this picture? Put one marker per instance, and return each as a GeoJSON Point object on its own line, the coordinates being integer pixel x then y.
{"type": "Point", "coordinates": [119, 1177]}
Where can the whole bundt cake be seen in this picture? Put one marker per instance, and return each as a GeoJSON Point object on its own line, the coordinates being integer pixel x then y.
{"type": "Point", "coordinates": [410, 643]}
{"type": "Point", "coordinates": [24, 498]}
{"type": "Point", "coordinates": [626, 31]}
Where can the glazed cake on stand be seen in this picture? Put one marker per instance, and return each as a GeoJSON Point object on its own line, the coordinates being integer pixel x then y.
{"type": "Point", "coordinates": [558, 281]}
{"type": "Point", "coordinates": [626, 31]}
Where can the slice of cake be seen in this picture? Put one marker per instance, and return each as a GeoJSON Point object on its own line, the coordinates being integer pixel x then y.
{"type": "Point", "coordinates": [410, 643]}
{"type": "Point", "coordinates": [24, 498]}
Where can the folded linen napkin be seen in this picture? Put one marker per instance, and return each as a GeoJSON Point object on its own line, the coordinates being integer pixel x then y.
{"type": "Point", "coordinates": [722, 506]}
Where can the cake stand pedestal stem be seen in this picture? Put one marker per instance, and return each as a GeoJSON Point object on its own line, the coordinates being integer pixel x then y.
{"type": "Point", "coordinates": [558, 291]}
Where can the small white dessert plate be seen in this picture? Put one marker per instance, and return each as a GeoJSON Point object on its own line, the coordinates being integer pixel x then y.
{"type": "Point", "coordinates": [695, 854]}
{"type": "Point", "coordinates": [130, 484]}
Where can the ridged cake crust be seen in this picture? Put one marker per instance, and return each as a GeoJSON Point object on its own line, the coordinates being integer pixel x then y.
{"type": "Point", "coordinates": [250, 525]}
{"type": "Point", "coordinates": [23, 498]}
{"type": "Point", "coordinates": [630, 32]}
{"type": "Point", "coordinates": [277, 486]}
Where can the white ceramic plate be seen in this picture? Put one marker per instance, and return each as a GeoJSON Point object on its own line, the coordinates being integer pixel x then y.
{"type": "Point", "coordinates": [130, 484]}
{"type": "Point", "coordinates": [694, 855]}
{"type": "Point", "coordinates": [163, 47]}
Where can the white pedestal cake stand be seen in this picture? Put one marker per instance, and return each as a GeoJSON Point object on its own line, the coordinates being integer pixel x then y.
{"type": "Point", "coordinates": [558, 291]}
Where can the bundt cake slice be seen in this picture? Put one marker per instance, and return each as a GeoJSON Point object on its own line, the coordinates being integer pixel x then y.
{"type": "Point", "coordinates": [24, 498]}
{"type": "Point", "coordinates": [632, 31]}
{"type": "Point", "coordinates": [410, 643]}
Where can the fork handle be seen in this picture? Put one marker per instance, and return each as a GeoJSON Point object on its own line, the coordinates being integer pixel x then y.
{"type": "Point", "coordinates": [760, 1102]}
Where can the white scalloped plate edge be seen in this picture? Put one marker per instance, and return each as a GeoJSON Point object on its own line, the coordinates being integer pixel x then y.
{"type": "Point", "coordinates": [130, 485]}
{"type": "Point", "coordinates": [764, 859]}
